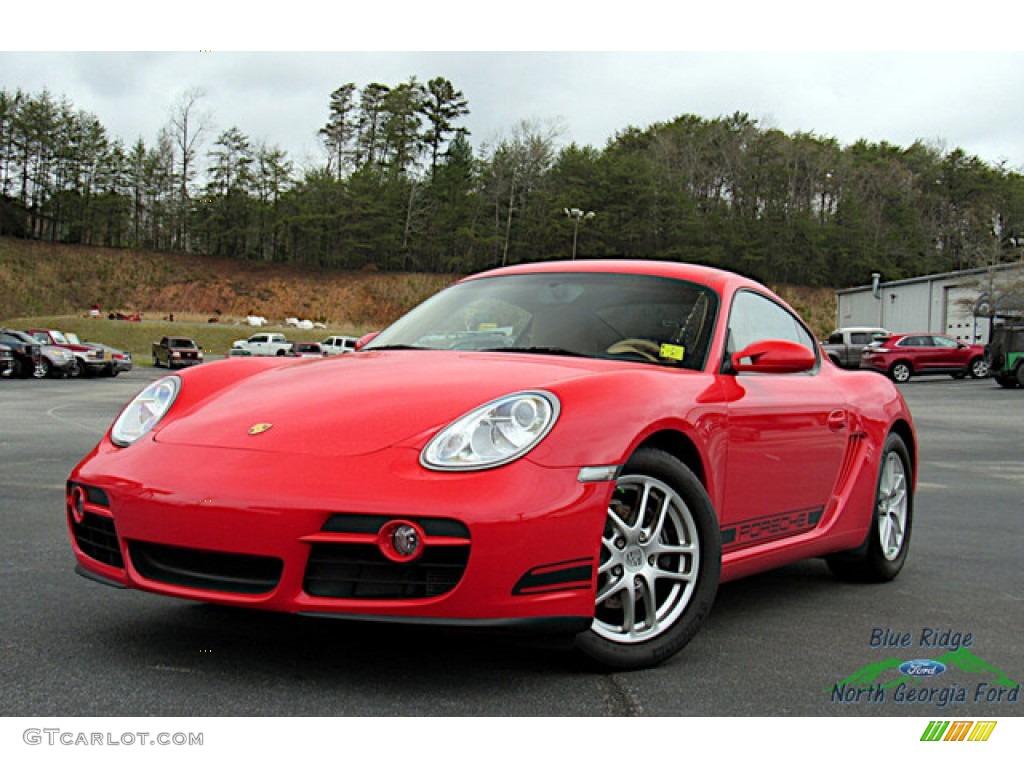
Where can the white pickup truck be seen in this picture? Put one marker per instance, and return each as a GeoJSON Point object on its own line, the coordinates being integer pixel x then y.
{"type": "Point", "coordinates": [264, 345]}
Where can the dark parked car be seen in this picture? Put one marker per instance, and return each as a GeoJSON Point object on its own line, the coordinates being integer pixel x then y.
{"type": "Point", "coordinates": [917, 354]}
{"type": "Point", "coordinates": [27, 353]}
{"type": "Point", "coordinates": [308, 349]}
{"type": "Point", "coordinates": [176, 352]}
{"type": "Point", "coordinates": [6, 360]}
{"type": "Point", "coordinates": [1005, 355]}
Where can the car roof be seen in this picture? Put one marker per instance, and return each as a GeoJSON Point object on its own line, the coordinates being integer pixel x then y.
{"type": "Point", "coordinates": [696, 273]}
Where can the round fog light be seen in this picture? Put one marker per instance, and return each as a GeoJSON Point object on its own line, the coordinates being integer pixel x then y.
{"type": "Point", "coordinates": [77, 504]}
{"type": "Point", "coordinates": [400, 541]}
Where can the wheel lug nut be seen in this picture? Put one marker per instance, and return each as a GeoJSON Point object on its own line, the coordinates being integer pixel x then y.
{"type": "Point", "coordinates": [620, 543]}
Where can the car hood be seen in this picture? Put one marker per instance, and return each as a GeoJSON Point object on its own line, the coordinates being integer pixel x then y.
{"type": "Point", "coordinates": [352, 405]}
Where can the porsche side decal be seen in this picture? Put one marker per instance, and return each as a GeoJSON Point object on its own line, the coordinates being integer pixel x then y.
{"type": "Point", "coordinates": [763, 529]}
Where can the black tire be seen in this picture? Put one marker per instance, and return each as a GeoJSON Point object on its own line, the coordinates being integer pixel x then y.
{"type": "Point", "coordinates": [978, 368]}
{"type": "Point", "coordinates": [1020, 375]}
{"type": "Point", "coordinates": [1007, 381]}
{"type": "Point", "coordinates": [156, 361]}
{"type": "Point", "coordinates": [77, 369]}
{"type": "Point", "coordinates": [900, 371]}
{"type": "Point", "coordinates": [635, 566]}
{"type": "Point", "coordinates": [884, 551]}
{"type": "Point", "coordinates": [42, 369]}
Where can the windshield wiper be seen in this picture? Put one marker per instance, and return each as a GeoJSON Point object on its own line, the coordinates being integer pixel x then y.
{"type": "Point", "coordinates": [537, 351]}
{"type": "Point", "coordinates": [390, 347]}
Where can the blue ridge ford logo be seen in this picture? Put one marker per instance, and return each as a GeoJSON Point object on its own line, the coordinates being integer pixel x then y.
{"type": "Point", "coordinates": [922, 668]}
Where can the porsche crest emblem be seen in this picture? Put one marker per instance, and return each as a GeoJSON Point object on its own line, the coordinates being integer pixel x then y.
{"type": "Point", "coordinates": [259, 429]}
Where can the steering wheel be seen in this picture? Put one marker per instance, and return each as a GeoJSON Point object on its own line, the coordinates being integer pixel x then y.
{"type": "Point", "coordinates": [645, 348]}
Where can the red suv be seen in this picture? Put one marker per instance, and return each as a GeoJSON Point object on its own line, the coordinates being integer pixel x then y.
{"type": "Point", "coordinates": [916, 354]}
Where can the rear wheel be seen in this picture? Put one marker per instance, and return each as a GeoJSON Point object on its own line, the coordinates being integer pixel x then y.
{"type": "Point", "coordinates": [884, 550]}
{"type": "Point", "coordinates": [978, 368]}
{"type": "Point", "coordinates": [1020, 375]}
{"type": "Point", "coordinates": [659, 564]}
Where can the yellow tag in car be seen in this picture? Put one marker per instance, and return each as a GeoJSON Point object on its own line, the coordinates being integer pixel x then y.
{"type": "Point", "coordinates": [672, 351]}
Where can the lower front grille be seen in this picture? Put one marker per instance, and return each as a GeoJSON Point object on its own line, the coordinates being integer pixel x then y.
{"type": "Point", "coordinates": [202, 569]}
{"type": "Point", "coordinates": [362, 572]}
{"type": "Point", "coordinates": [96, 537]}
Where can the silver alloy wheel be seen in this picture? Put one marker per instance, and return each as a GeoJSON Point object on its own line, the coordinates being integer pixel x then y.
{"type": "Point", "coordinates": [901, 372]}
{"type": "Point", "coordinates": [979, 369]}
{"type": "Point", "coordinates": [650, 558]}
{"type": "Point", "coordinates": [891, 506]}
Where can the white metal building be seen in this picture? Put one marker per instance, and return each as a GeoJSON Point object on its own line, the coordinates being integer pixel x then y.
{"type": "Point", "coordinates": [954, 303]}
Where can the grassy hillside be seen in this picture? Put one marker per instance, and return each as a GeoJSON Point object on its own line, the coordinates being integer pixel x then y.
{"type": "Point", "coordinates": [52, 286]}
{"type": "Point", "coordinates": [48, 279]}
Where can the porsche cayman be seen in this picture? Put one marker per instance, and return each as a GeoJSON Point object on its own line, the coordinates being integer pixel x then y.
{"type": "Point", "coordinates": [586, 447]}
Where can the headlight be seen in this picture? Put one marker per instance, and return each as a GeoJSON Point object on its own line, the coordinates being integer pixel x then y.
{"type": "Point", "coordinates": [145, 411]}
{"type": "Point", "coordinates": [493, 434]}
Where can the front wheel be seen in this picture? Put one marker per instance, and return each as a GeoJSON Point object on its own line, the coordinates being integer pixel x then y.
{"type": "Point", "coordinates": [42, 369]}
{"type": "Point", "coordinates": [900, 372]}
{"type": "Point", "coordinates": [884, 550]}
{"type": "Point", "coordinates": [660, 560]}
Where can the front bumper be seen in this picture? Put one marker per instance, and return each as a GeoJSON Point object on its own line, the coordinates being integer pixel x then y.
{"type": "Point", "coordinates": [61, 367]}
{"type": "Point", "coordinates": [301, 534]}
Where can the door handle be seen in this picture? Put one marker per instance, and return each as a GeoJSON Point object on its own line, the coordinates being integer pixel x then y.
{"type": "Point", "coordinates": [837, 420]}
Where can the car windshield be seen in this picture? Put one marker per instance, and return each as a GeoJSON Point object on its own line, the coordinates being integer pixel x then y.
{"type": "Point", "coordinates": [599, 315]}
{"type": "Point", "coordinates": [184, 343]}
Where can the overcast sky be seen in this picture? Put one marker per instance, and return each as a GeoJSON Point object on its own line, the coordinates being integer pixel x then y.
{"type": "Point", "coordinates": [869, 72]}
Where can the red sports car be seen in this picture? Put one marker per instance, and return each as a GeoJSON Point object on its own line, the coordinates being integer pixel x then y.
{"type": "Point", "coordinates": [582, 447]}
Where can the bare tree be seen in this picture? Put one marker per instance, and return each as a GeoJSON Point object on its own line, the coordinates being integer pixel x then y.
{"type": "Point", "coordinates": [187, 125]}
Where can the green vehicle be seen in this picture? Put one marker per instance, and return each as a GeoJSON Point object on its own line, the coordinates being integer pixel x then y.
{"type": "Point", "coordinates": [1005, 355]}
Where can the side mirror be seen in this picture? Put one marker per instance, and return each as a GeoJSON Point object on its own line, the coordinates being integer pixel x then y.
{"type": "Point", "coordinates": [774, 356]}
{"type": "Point", "coordinates": [362, 342]}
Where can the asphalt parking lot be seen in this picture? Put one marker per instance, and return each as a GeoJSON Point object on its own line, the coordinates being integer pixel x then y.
{"type": "Point", "coordinates": [790, 642]}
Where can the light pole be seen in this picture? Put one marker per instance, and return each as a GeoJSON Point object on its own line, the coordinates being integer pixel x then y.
{"type": "Point", "coordinates": [577, 216]}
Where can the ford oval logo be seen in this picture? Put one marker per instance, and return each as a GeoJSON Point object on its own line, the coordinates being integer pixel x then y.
{"type": "Point", "coordinates": [922, 668]}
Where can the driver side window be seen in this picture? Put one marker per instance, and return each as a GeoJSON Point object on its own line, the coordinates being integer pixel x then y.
{"type": "Point", "coordinates": [756, 318]}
